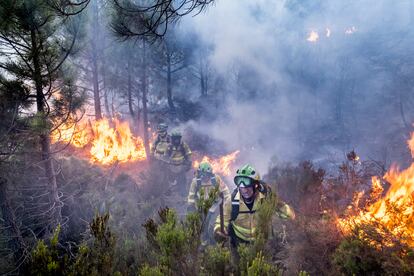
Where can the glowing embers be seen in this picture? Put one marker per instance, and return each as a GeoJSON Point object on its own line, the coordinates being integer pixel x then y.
{"type": "Point", "coordinates": [109, 142]}
{"type": "Point", "coordinates": [392, 215]}
{"type": "Point", "coordinates": [315, 35]}
{"type": "Point", "coordinates": [221, 165]}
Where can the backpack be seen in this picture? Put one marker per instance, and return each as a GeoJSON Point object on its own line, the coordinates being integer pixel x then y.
{"type": "Point", "coordinates": [180, 148]}
{"type": "Point", "coordinates": [212, 179]}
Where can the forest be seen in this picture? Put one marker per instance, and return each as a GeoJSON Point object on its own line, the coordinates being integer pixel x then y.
{"type": "Point", "coordinates": [130, 130]}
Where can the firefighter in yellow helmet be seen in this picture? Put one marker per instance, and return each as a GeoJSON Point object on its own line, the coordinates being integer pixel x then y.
{"type": "Point", "coordinates": [240, 217]}
{"type": "Point", "coordinates": [204, 181]}
{"type": "Point", "coordinates": [178, 155]}
{"type": "Point", "coordinates": [202, 184]}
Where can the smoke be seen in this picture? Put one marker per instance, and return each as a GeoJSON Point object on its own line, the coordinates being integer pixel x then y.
{"type": "Point", "coordinates": [288, 98]}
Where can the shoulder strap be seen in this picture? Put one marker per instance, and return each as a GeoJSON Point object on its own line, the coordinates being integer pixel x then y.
{"type": "Point", "coordinates": [213, 180]}
{"type": "Point", "coordinates": [235, 205]}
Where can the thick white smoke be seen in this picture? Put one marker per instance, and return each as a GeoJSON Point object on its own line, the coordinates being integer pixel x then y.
{"type": "Point", "coordinates": [291, 98]}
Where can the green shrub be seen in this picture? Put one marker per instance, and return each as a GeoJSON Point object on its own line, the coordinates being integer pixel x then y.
{"type": "Point", "coordinates": [216, 261]}
{"type": "Point", "coordinates": [46, 259]}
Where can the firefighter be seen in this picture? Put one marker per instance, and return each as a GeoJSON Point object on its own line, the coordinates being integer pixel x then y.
{"type": "Point", "coordinates": [203, 183]}
{"type": "Point", "coordinates": [205, 180]}
{"type": "Point", "coordinates": [179, 159]}
{"type": "Point", "coordinates": [161, 143]}
{"type": "Point", "coordinates": [240, 217]}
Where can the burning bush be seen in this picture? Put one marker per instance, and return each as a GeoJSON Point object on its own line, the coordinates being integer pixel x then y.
{"type": "Point", "coordinates": [108, 141]}
{"type": "Point", "coordinates": [379, 236]}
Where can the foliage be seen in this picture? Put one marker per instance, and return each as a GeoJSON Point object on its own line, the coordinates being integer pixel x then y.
{"type": "Point", "coordinates": [98, 258]}
{"type": "Point", "coordinates": [151, 271]}
{"type": "Point", "coordinates": [216, 261]}
{"type": "Point", "coordinates": [300, 184]}
{"type": "Point", "coordinates": [46, 259]}
{"type": "Point", "coordinates": [370, 249]}
{"type": "Point", "coordinates": [260, 267]}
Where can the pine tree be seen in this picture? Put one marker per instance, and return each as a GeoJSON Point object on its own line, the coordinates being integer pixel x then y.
{"type": "Point", "coordinates": [36, 38]}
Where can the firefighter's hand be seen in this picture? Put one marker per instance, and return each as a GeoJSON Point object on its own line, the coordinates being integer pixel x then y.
{"type": "Point", "coordinates": [220, 236]}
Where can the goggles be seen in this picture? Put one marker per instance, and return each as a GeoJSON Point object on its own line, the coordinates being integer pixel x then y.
{"type": "Point", "coordinates": [243, 181]}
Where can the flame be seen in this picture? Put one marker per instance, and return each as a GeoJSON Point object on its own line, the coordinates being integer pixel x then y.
{"type": "Point", "coordinates": [394, 211]}
{"type": "Point", "coordinates": [117, 144]}
{"type": "Point", "coordinates": [108, 144]}
{"type": "Point", "coordinates": [72, 133]}
{"type": "Point", "coordinates": [221, 165]}
{"type": "Point", "coordinates": [313, 36]}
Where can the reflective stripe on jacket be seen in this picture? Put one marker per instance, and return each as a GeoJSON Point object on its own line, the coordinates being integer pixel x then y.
{"type": "Point", "coordinates": [244, 225]}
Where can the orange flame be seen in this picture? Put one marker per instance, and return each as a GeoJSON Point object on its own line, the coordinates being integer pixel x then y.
{"type": "Point", "coordinates": [108, 144]}
{"type": "Point", "coordinates": [221, 165]}
{"type": "Point", "coordinates": [117, 144]}
{"type": "Point", "coordinates": [394, 211]}
{"type": "Point", "coordinates": [72, 133]}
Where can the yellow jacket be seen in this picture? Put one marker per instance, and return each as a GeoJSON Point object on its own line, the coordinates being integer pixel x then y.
{"type": "Point", "coordinates": [197, 184]}
{"type": "Point", "coordinates": [178, 155]}
{"type": "Point", "coordinates": [160, 146]}
{"type": "Point", "coordinates": [245, 224]}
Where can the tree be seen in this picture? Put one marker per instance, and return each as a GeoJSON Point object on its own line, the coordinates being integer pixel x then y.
{"type": "Point", "coordinates": [202, 69]}
{"type": "Point", "coordinates": [151, 20]}
{"type": "Point", "coordinates": [36, 39]}
{"type": "Point", "coordinates": [92, 62]}
{"type": "Point", "coordinates": [170, 57]}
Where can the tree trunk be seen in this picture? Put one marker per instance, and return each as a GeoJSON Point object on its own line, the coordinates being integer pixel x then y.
{"type": "Point", "coordinates": [169, 84]}
{"type": "Point", "coordinates": [130, 101]}
{"type": "Point", "coordinates": [44, 137]}
{"type": "Point", "coordinates": [16, 242]}
{"type": "Point", "coordinates": [144, 100]}
{"type": "Point", "coordinates": [95, 80]}
{"type": "Point", "coordinates": [94, 56]}
{"type": "Point", "coordinates": [401, 106]}
{"type": "Point", "coordinates": [105, 88]}
{"type": "Point", "coordinates": [203, 80]}
{"type": "Point", "coordinates": [202, 85]}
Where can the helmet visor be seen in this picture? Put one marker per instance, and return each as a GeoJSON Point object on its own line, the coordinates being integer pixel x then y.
{"type": "Point", "coordinates": [243, 181]}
